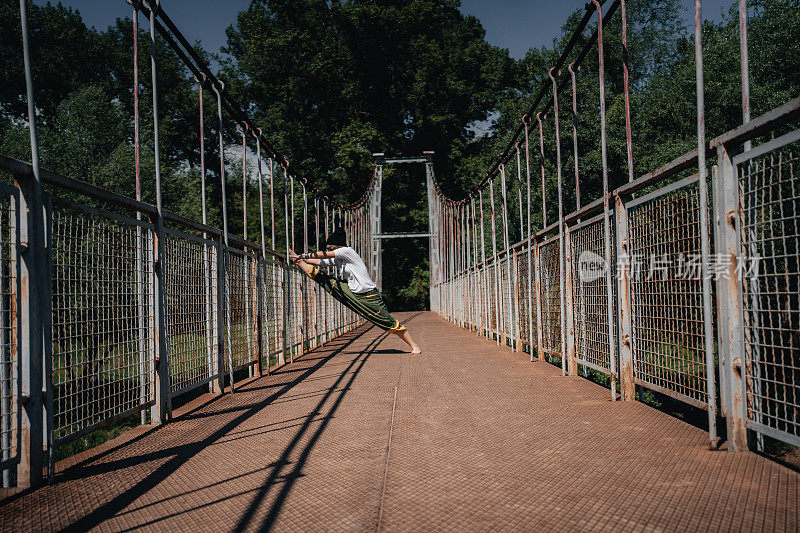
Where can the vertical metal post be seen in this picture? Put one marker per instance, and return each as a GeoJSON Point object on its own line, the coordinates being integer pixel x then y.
{"type": "Point", "coordinates": [258, 315]}
{"type": "Point", "coordinates": [628, 391]}
{"type": "Point", "coordinates": [486, 310]}
{"type": "Point", "coordinates": [262, 268]}
{"type": "Point", "coordinates": [6, 327]}
{"type": "Point", "coordinates": [718, 213]}
{"type": "Point", "coordinates": [468, 302]}
{"type": "Point", "coordinates": [538, 283]}
{"type": "Point", "coordinates": [627, 91]}
{"type": "Point", "coordinates": [731, 319]}
{"type": "Point", "coordinates": [541, 166]}
{"type": "Point", "coordinates": [473, 280]}
{"type": "Point", "coordinates": [328, 300]}
{"type": "Point", "coordinates": [530, 237]}
{"type": "Point", "coordinates": [247, 300]}
{"type": "Point", "coordinates": [163, 404]}
{"type": "Point", "coordinates": [211, 341]}
{"type": "Point", "coordinates": [47, 389]}
{"type": "Point", "coordinates": [33, 287]}
{"type": "Point", "coordinates": [606, 220]}
{"type": "Point", "coordinates": [755, 289]}
{"type": "Point", "coordinates": [570, 259]}
{"type": "Point", "coordinates": [476, 268]}
{"type": "Point", "coordinates": [140, 299]}
{"type": "Point", "coordinates": [572, 365]}
{"type": "Point", "coordinates": [318, 290]}
{"type": "Point", "coordinates": [708, 334]}
{"type": "Point", "coordinates": [507, 244]}
{"type": "Point", "coordinates": [218, 287]}
{"type": "Point", "coordinates": [519, 194]}
{"type": "Point", "coordinates": [287, 290]}
{"type": "Point", "coordinates": [432, 239]}
{"type": "Point", "coordinates": [376, 228]}
{"type": "Point", "coordinates": [561, 248]}
{"type": "Point", "coordinates": [458, 286]}
{"type": "Point", "coordinates": [745, 66]}
{"type": "Point", "coordinates": [496, 265]}
{"type": "Point", "coordinates": [291, 210]}
{"type": "Point", "coordinates": [571, 69]}
{"type": "Point", "coordinates": [244, 129]}
{"type": "Point", "coordinates": [306, 338]}
{"type": "Point", "coordinates": [446, 238]}
{"type": "Point", "coordinates": [222, 265]}
{"type": "Point", "coordinates": [272, 200]}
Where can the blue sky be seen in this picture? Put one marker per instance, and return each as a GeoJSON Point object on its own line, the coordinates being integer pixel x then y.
{"type": "Point", "coordinates": [513, 24]}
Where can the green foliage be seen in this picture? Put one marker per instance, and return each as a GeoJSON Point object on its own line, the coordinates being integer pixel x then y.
{"type": "Point", "coordinates": [663, 105]}
{"type": "Point", "coordinates": [84, 96]}
{"type": "Point", "coordinates": [334, 81]}
{"type": "Point", "coordinates": [337, 81]}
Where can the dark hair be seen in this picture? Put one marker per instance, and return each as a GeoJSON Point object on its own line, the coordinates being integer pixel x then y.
{"type": "Point", "coordinates": [337, 238]}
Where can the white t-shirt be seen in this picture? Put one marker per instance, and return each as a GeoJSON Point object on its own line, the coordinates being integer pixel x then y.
{"type": "Point", "coordinates": [351, 268]}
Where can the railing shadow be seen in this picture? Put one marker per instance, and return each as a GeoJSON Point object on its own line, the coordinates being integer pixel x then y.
{"type": "Point", "coordinates": [178, 455]}
{"type": "Point", "coordinates": [289, 479]}
{"type": "Point", "coordinates": [275, 475]}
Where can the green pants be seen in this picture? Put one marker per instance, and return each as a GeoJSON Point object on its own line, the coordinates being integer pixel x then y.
{"type": "Point", "coordinates": [368, 304]}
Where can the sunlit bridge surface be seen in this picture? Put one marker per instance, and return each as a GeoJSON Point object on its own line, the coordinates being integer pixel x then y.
{"type": "Point", "coordinates": [611, 334]}
{"type": "Point", "coordinates": [360, 436]}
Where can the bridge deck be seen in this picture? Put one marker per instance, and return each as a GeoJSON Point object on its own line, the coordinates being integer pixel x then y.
{"type": "Point", "coordinates": [468, 436]}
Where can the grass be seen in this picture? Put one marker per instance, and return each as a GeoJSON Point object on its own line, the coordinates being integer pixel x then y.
{"type": "Point", "coordinates": [98, 437]}
{"type": "Point", "coordinates": [92, 387]}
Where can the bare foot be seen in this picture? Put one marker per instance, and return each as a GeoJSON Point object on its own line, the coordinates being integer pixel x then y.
{"type": "Point", "coordinates": [415, 350]}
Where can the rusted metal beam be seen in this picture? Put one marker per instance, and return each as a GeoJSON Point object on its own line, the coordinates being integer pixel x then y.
{"type": "Point", "coordinates": [628, 391]}
{"type": "Point", "coordinates": [732, 349]}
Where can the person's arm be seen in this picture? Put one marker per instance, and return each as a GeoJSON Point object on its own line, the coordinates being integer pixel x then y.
{"type": "Point", "coordinates": [308, 258]}
{"type": "Point", "coordinates": [321, 254]}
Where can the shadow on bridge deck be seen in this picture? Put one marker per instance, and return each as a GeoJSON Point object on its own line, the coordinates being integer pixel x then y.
{"type": "Point", "coordinates": [360, 436]}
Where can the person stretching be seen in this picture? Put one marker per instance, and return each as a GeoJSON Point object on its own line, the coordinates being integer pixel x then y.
{"type": "Point", "coordinates": [353, 288]}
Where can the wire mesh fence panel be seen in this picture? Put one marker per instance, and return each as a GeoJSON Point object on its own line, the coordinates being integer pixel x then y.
{"type": "Point", "coordinates": [285, 305]}
{"type": "Point", "coordinates": [461, 294]}
{"type": "Point", "coordinates": [272, 296]}
{"type": "Point", "coordinates": [102, 317]}
{"type": "Point", "coordinates": [312, 296]}
{"type": "Point", "coordinates": [769, 196]}
{"type": "Point", "coordinates": [667, 294]}
{"type": "Point", "coordinates": [551, 296]}
{"type": "Point", "coordinates": [473, 298]}
{"type": "Point", "coordinates": [327, 315]}
{"type": "Point", "coordinates": [241, 331]}
{"type": "Point", "coordinates": [590, 294]}
{"type": "Point", "coordinates": [506, 298]}
{"type": "Point", "coordinates": [527, 307]}
{"type": "Point", "coordinates": [308, 311]}
{"type": "Point", "coordinates": [481, 294]}
{"type": "Point", "coordinates": [297, 320]}
{"type": "Point", "coordinates": [319, 313]}
{"type": "Point", "coordinates": [330, 314]}
{"type": "Point", "coordinates": [9, 291]}
{"type": "Point", "coordinates": [452, 300]}
{"type": "Point", "coordinates": [492, 302]}
{"type": "Point", "coordinates": [190, 266]}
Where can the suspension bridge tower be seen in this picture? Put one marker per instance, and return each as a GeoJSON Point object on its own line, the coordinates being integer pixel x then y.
{"type": "Point", "coordinates": [375, 209]}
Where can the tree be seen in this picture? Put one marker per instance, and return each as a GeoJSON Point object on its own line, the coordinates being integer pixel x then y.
{"type": "Point", "coordinates": [336, 81]}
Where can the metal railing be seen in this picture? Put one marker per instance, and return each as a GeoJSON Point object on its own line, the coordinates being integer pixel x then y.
{"type": "Point", "coordinates": [101, 275]}
{"type": "Point", "coordinates": [659, 336]}
{"type": "Point", "coordinates": [673, 282]}
{"type": "Point", "coordinates": [112, 307]}
{"type": "Point", "coordinates": [116, 306]}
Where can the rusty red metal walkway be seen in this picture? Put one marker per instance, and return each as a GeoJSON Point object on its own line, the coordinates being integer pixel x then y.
{"type": "Point", "coordinates": [359, 436]}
